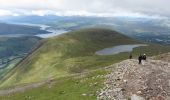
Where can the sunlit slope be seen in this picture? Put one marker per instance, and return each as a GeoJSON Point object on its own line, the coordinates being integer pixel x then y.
{"type": "Point", "coordinates": [72, 53]}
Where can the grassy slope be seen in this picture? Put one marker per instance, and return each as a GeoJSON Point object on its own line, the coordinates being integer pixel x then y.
{"type": "Point", "coordinates": [69, 54]}
{"type": "Point", "coordinates": [66, 88]}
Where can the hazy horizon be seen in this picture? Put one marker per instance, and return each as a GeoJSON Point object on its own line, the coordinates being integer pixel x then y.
{"type": "Point", "coordinates": [101, 8]}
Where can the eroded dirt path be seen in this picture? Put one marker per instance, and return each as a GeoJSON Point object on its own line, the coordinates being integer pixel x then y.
{"type": "Point", "coordinates": [24, 87]}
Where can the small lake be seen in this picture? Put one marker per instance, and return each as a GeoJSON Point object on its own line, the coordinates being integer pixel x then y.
{"type": "Point", "coordinates": [42, 26]}
{"type": "Point", "coordinates": [52, 33]}
{"type": "Point", "coordinates": [118, 49]}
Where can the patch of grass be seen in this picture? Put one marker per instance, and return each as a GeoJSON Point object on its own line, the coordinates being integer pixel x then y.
{"type": "Point", "coordinates": [79, 87]}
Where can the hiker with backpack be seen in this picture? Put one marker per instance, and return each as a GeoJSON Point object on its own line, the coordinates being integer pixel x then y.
{"type": "Point", "coordinates": [142, 57]}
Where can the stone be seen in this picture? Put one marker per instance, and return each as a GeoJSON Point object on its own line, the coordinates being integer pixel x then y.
{"type": "Point", "coordinates": [136, 97]}
{"type": "Point", "coordinates": [139, 92]}
{"type": "Point", "coordinates": [91, 94]}
{"type": "Point", "coordinates": [125, 81]}
{"type": "Point", "coordinates": [84, 94]}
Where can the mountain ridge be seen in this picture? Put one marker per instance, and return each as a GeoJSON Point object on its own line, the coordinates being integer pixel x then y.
{"type": "Point", "coordinates": [129, 80]}
{"type": "Point", "coordinates": [69, 47]}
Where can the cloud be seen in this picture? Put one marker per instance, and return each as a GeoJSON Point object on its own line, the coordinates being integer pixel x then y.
{"type": "Point", "coordinates": [5, 13]}
{"type": "Point", "coordinates": [86, 7]}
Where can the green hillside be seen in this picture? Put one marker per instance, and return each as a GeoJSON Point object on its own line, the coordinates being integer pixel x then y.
{"type": "Point", "coordinates": [72, 53]}
{"type": "Point", "coordinates": [69, 65]}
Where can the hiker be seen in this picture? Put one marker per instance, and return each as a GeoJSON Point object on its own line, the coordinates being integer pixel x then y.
{"type": "Point", "coordinates": [144, 57]}
{"type": "Point", "coordinates": [140, 59]}
{"type": "Point", "coordinates": [130, 56]}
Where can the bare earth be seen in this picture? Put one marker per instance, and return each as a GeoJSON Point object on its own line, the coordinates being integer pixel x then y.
{"type": "Point", "coordinates": [130, 81]}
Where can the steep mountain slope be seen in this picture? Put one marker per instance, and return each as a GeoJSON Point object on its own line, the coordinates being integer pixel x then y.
{"type": "Point", "coordinates": [72, 53]}
{"type": "Point", "coordinates": [63, 54]}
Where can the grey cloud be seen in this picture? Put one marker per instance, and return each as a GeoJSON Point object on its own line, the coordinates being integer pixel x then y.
{"type": "Point", "coordinates": [149, 7]}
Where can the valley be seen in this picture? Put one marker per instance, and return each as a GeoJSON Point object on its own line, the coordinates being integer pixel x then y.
{"type": "Point", "coordinates": [70, 59]}
{"type": "Point", "coordinates": [68, 67]}
{"type": "Point", "coordinates": [152, 30]}
{"type": "Point", "coordinates": [84, 50]}
{"type": "Point", "coordinates": [14, 49]}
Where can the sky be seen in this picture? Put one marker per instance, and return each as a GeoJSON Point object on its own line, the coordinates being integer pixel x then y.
{"type": "Point", "coordinates": [106, 8]}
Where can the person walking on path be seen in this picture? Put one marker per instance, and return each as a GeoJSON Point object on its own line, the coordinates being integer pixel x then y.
{"type": "Point", "coordinates": [140, 59]}
{"type": "Point", "coordinates": [144, 56]}
{"type": "Point", "coordinates": [130, 56]}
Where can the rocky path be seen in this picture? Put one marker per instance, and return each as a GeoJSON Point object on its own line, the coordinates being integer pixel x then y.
{"type": "Point", "coordinates": [130, 81]}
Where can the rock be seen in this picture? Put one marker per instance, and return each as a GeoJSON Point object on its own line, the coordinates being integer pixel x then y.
{"type": "Point", "coordinates": [123, 89]}
{"type": "Point", "coordinates": [84, 94]}
{"type": "Point", "coordinates": [139, 92]}
{"type": "Point", "coordinates": [91, 95]}
{"type": "Point", "coordinates": [125, 81]}
{"type": "Point", "coordinates": [118, 79]}
{"type": "Point", "coordinates": [135, 97]}
{"type": "Point", "coordinates": [117, 89]}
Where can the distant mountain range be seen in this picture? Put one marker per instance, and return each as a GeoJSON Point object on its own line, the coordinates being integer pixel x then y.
{"type": "Point", "coordinates": [9, 29]}
{"type": "Point", "coordinates": [139, 28]}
